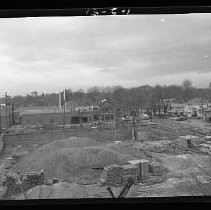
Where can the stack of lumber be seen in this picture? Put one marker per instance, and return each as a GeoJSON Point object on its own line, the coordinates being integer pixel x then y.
{"type": "Point", "coordinates": [129, 171]}
{"type": "Point", "coordinates": [32, 179]}
{"type": "Point", "coordinates": [112, 175]}
{"type": "Point", "coordinates": [142, 167]}
{"type": "Point", "coordinates": [155, 169]}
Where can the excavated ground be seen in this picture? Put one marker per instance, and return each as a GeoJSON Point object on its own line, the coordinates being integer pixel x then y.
{"type": "Point", "coordinates": [186, 171]}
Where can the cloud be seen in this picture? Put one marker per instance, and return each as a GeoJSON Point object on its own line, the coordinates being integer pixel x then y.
{"type": "Point", "coordinates": [51, 53]}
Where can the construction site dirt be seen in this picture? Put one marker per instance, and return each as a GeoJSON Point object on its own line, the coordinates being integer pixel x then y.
{"type": "Point", "coordinates": [77, 160]}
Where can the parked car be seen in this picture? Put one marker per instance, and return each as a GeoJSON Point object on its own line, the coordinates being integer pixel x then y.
{"type": "Point", "coordinates": [145, 117]}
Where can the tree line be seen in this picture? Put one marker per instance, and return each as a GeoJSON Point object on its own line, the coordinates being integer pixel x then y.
{"type": "Point", "coordinates": [142, 97]}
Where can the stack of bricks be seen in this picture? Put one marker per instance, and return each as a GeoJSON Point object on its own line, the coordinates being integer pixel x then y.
{"type": "Point", "coordinates": [32, 179]}
{"type": "Point", "coordinates": [17, 185]}
{"type": "Point", "coordinates": [13, 187]}
{"type": "Point", "coordinates": [112, 175]}
{"type": "Point", "coordinates": [129, 171]}
{"type": "Point", "coordinates": [142, 167]}
{"type": "Point", "coordinates": [155, 169]}
{"type": "Point", "coordinates": [115, 175]}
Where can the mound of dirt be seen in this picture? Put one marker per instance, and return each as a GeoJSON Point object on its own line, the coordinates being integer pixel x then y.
{"type": "Point", "coordinates": [64, 190]}
{"type": "Point", "coordinates": [59, 190]}
{"type": "Point", "coordinates": [73, 159]}
{"type": "Point", "coordinates": [67, 143]}
{"type": "Point", "coordinates": [127, 149]}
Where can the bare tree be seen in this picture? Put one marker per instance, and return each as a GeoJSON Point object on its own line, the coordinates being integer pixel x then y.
{"type": "Point", "coordinates": [187, 85]}
{"type": "Point", "coordinates": [166, 103]}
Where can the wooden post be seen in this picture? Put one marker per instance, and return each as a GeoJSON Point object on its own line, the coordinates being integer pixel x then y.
{"type": "Point", "coordinates": [13, 114]}
{"type": "Point", "coordinates": [110, 191]}
{"type": "Point", "coordinates": [9, 112]}
{"type": "Point", "coordinates": [64, 118]}
{"type": "Point", "coordinates": [92, 116]}
{"type": "Point", "coordinates": [80, 119]}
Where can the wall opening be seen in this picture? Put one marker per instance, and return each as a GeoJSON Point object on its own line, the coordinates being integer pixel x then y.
{"type": "Point", "coordinates": [75, 120]}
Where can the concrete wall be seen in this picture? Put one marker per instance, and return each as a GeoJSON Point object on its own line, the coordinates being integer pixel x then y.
{"type": "Point", "coordinates": [35, 119]}
{"type": "Point", "coordinates": [28, 139]}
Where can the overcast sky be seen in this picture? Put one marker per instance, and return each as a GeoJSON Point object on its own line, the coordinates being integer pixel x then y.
{"type": "Point", "coordinates": [52, 53]}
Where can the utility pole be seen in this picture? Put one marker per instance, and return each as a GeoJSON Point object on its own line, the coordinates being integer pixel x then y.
{"type": "Point", "coordinates": [80, 118]}
{"type": "Point", "coordinates": [9, 111]}
{"type": "Point", "coordinates": [6, 109]}
{"type": "Point", "coordinates": [0, 124]}
{"type": "Point", "coordinates": [64, 118]}
{"type": "Point", "coordinates": [202, 109]}
{"type": "Point", "coordinates": [152, 104]}
{"type": "Point", "coordinates": [92, 115]}
{"type": "Point", "coordinates": [133, 125]}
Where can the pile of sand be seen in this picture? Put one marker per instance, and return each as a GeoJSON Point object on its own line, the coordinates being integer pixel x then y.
{"type": "Point", "coordinates": [74, 158]}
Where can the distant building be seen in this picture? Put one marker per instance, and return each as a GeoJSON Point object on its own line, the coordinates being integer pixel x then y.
{"type": "Point", "coordinates": [197, 103]}
{"type": "Point", "coordinates": [36, 117]}
{"type": "Point", "coordinates": [195, 106]}
{"type": "Point", "coordinates": [109, 111]}
{"type": "Point", "coordinates": [105, 111]}
{"type": "Point", "coordinates": [2, 106]}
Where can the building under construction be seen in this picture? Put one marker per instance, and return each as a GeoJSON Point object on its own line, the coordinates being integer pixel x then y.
{"type": "Point", "coordinates": [105, 111]}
